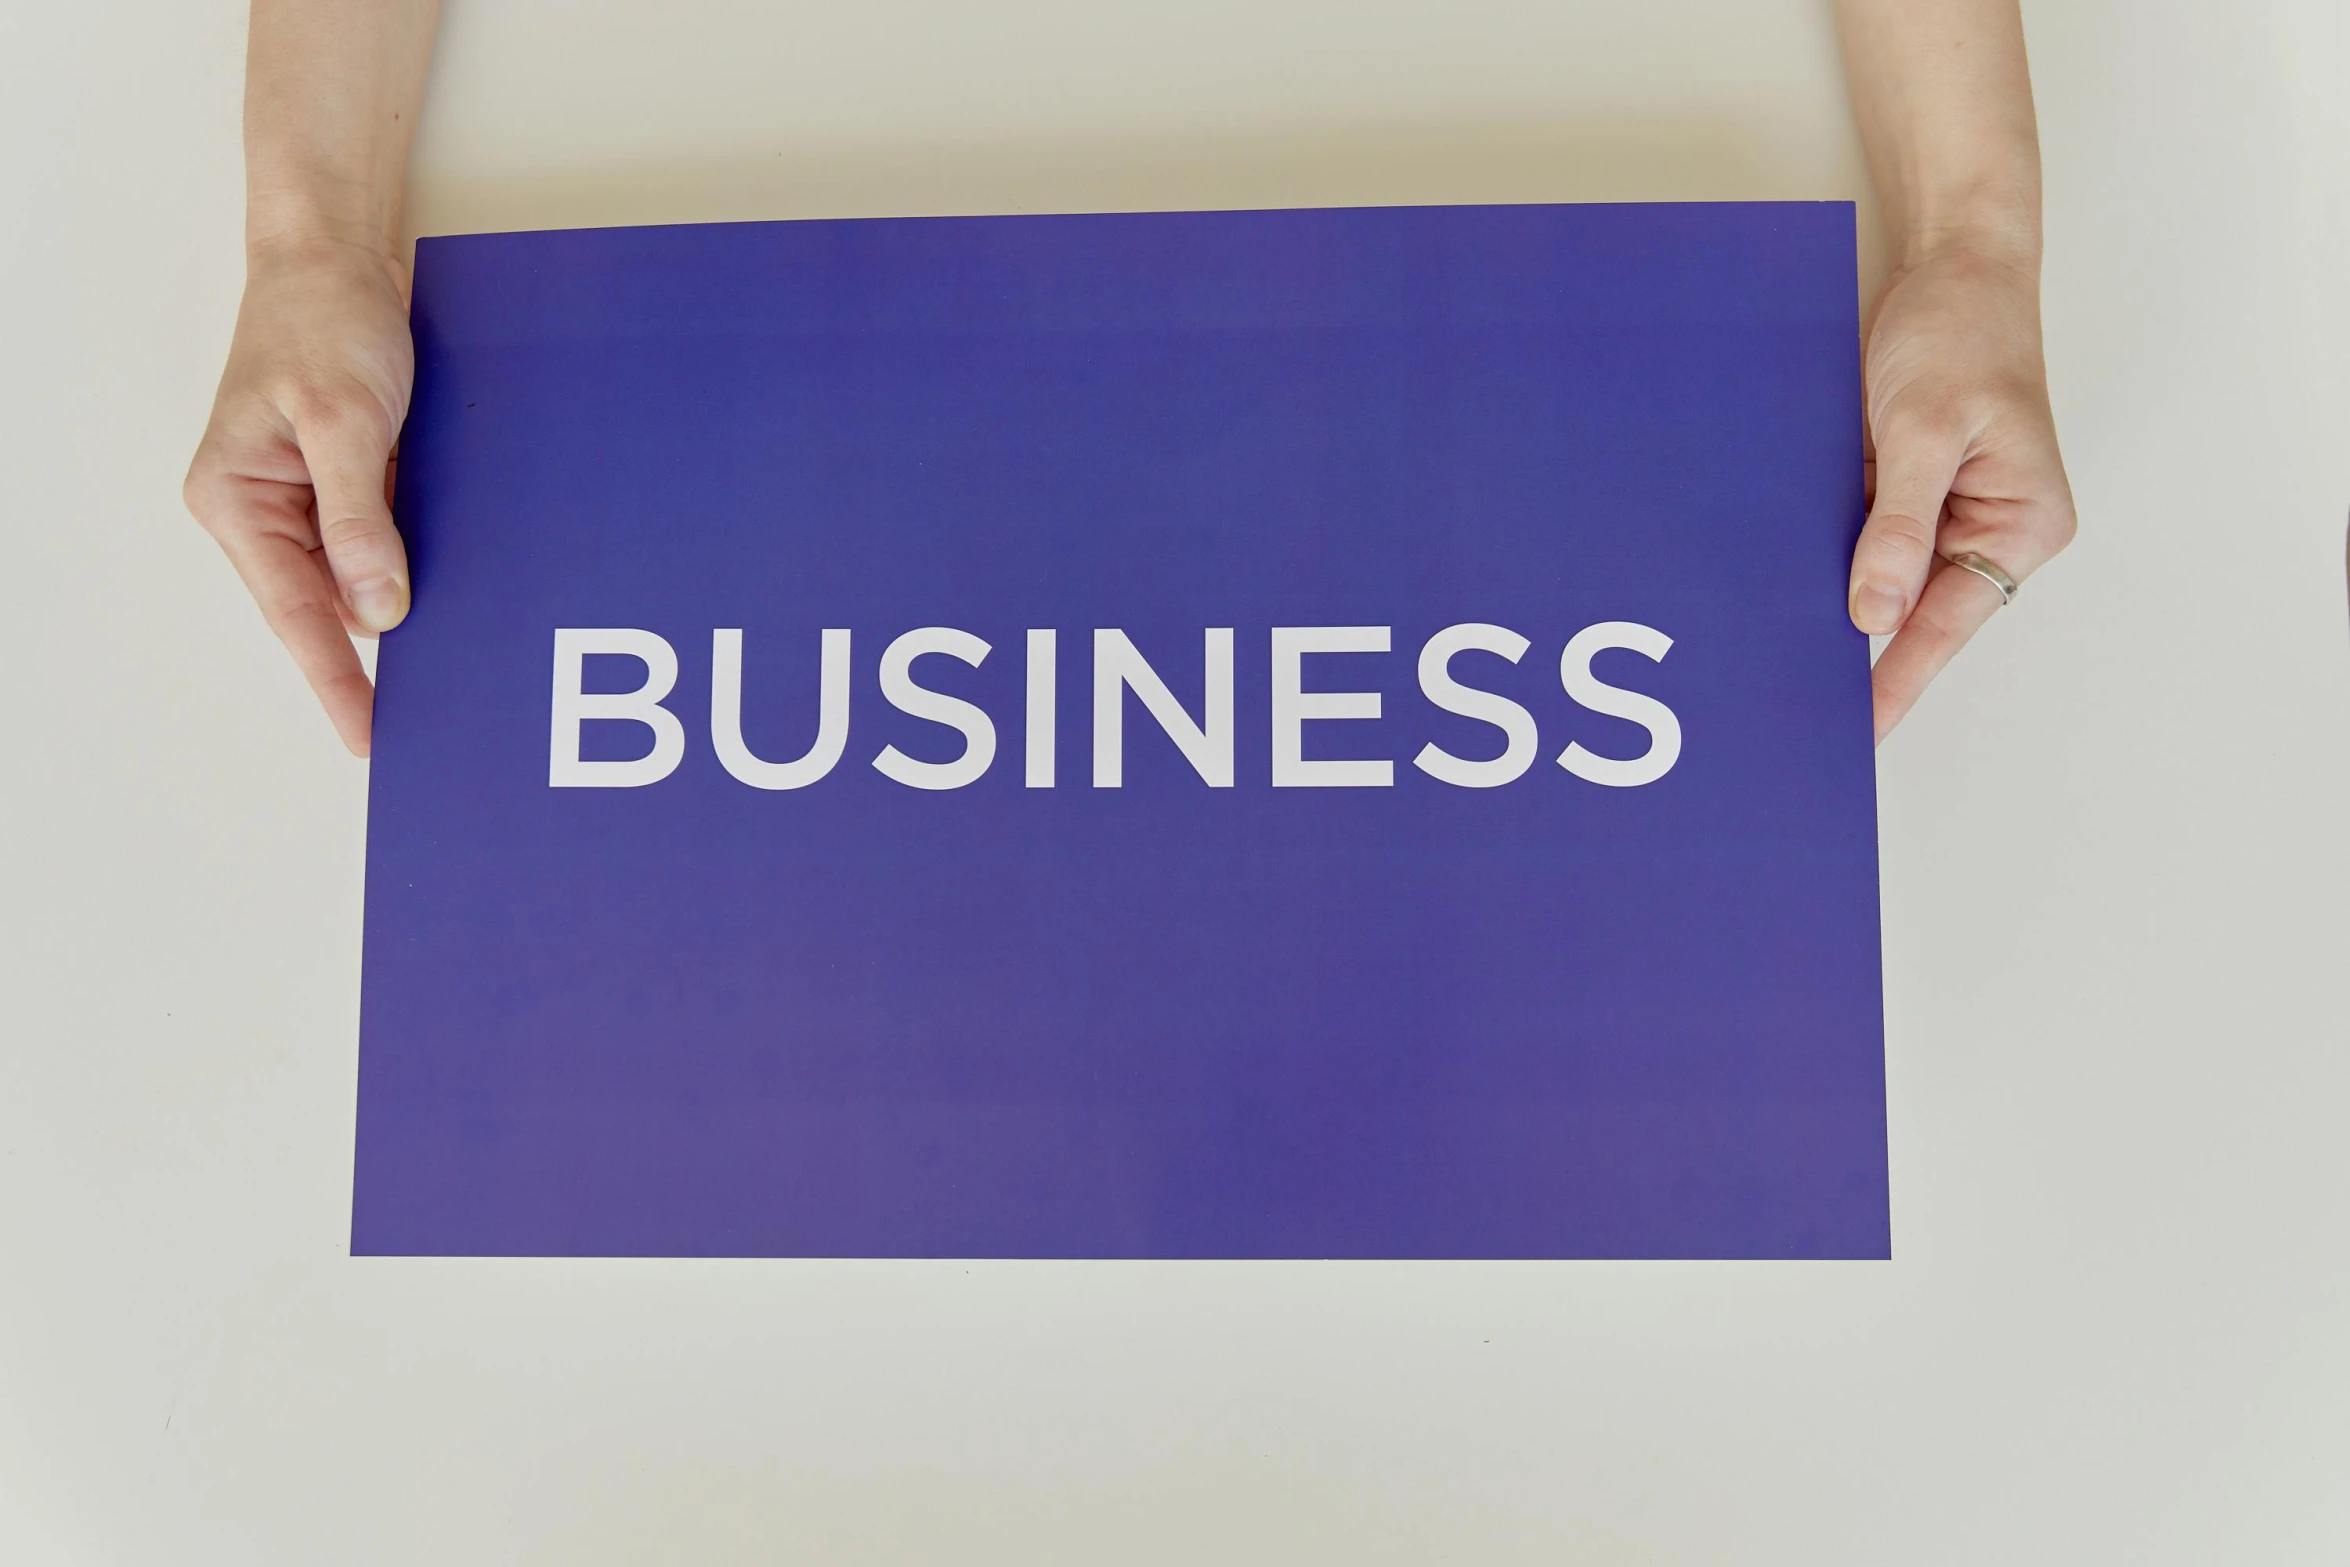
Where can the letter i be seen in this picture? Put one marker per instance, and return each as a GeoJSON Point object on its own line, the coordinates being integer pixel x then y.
{"type": "Point", "coordinates": [1042, 668]}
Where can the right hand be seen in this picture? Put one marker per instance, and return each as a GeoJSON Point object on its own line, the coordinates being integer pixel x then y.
{"type": "Point", "coordinates": [293, 476]}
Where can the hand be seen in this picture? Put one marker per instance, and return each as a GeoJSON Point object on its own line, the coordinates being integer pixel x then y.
{"type": "Point", "coordinates": [1965, 460]}
{"type": "Point", "coordinates": [292, 477]}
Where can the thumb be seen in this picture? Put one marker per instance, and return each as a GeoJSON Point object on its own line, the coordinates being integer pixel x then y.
{"type": "Point", "coordinates": [346, 447]}
{"type": "Point", "coordinates": [1916, 464]}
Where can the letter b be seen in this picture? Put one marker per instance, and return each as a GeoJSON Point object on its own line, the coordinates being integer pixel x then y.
{"type": "Point", "coordinates": [572, 707]}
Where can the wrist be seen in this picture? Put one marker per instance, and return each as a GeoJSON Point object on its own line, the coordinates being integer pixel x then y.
{"type": "Point", "coordinates": [337, 257]}
{"type": "Point", "coordinates": [301, 226]}
{"type": "Point", "coordinates": [2002, 227]}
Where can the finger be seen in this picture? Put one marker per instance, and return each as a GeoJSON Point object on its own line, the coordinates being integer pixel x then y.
{"type": "Point", "coordinates": [1952, 609]}
{"type": "Point", "coordinates": [347, 449]}
{"type": "Point", "coordinates": [298, 598]}
{"type": "Point", "coordinates": [1916, 462]}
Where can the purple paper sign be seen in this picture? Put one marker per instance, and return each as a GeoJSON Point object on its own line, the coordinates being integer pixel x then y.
{"type": "Point", "coordinates": [1249, 734]}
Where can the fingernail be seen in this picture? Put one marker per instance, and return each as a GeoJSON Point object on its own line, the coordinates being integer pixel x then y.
{"type": "Point", "coordinates": [1876, 609]}
{"type": "Point", "coordinates": [378, 603]}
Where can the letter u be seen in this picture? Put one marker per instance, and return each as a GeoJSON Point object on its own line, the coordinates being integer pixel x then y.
{"type": "Point", "coordinates": [726, 715]}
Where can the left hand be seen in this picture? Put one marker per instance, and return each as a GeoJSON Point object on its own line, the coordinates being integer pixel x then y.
{"type": "Point", "coordinates": [1966, 460]}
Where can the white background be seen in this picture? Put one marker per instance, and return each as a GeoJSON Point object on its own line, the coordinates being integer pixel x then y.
{"type": "Point", "coordinates": [2116, 865]}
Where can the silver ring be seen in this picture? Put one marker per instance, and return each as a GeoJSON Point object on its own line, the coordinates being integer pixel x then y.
{"type": "Point", "coordinates": [1989, 571]}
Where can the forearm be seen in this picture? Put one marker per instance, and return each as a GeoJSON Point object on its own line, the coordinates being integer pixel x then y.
{"type": "Point", "coordinates": [1944, 101]}
{"type": "Point", "coordinates": [331, 95]}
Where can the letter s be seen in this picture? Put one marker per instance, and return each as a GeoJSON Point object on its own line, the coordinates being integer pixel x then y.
{"type": "Point", "coordinates": [1664, 730]}
{"type": "Point", "coordinates": [897, 684]}
{"type": "Point", "coordinates": [1520, 738]}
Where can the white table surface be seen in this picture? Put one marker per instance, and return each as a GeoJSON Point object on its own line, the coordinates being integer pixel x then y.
{"type": "Point", "coordinates": [2116, 870]}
